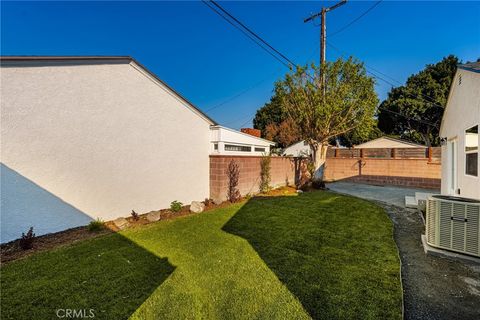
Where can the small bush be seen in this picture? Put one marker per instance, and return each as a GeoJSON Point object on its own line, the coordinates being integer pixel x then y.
{"type": "Point", "coordinates": [176, 206]}
{"type": "Point", "coordinates": [135, 215]}
{"type": "Point", "coordinates": [208, 202]}
{"type": "Point", "coordinates": [311, 170]}
{"type": "Point", "coordinates": [233, 174]}
{"type": "Point", "coordinates": [96, 225]}
{"type": "Point", "coordinates": [318, 184]}
{"type": "Point", "coordinates": [265, 177]}
{"type": "Point", "coordinates": [26, 241]}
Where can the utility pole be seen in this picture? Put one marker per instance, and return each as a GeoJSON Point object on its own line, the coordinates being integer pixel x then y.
{"type": "Point", "coordinates": [323, 31]}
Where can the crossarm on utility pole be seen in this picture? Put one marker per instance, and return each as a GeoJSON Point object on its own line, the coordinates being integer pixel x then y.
{"type": "Point", "coordinates": [323, 33]}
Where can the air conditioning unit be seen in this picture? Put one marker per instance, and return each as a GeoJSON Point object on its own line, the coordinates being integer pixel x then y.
{"type": "Point", "coordinates": [453, 223]}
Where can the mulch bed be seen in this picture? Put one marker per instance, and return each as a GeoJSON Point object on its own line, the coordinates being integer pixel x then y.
{"type": "Point", "coordinates": [11, 251]}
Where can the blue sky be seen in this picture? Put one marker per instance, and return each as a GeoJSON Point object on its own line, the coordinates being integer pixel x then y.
{"type": "Point", "coordinates": [210, 62]}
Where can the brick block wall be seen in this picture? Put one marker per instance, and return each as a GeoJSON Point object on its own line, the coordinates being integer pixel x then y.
{"type": "Point", "coordinates": [419, 173]}
{"type": "Point", "coordinates": [282, 172]}
{"type": "Point", "coordinates": [410, 172]}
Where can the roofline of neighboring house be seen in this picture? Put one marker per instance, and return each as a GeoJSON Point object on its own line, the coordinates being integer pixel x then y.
{"type": "Point", "coordinates": [293, 144]}
{"type": "Point", "coordinates": [242, 133]}
{"type": "Point", "coordinates": [393, 139]}
{"type": "Point", "coordinates": [464, 67]}
{"type": "Point", "coordinates": [108, 58]}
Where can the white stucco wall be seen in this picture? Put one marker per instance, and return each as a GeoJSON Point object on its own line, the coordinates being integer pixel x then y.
{"type": "Point", "coordinates": [94, 141]}
{"type": "Point", "coordinates": [298, 149]}
{"type": "Point", "coordinates": [222, 135]}
{"type": "Point", "coordinates": [462, 112]}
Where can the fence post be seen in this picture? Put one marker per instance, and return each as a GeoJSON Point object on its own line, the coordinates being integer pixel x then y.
{"type": "Point", "coordinates": [429, 154]}
{"type": "Point", "coordinates": [335, 152]}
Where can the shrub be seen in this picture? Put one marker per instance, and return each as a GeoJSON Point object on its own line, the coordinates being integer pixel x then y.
{"type": "Point", "coordinates": [265, 177]}
{"type": "Point", "coordinates": [208, 202]}
{"type": "Point", "coordinates": [318, 184]}
{"type": "Point", "coordinates": [135, 215]}
{"type": "Point", "coordinates": [311, 169]}
{"type": "Point", "coordinates": [176, 206]}
{"type": "Point", "coordinates": [26, 241]}
{"type": "Point", "coordinates": [96, 225]}
{"type": "Point", "coordinates": [233, 174]}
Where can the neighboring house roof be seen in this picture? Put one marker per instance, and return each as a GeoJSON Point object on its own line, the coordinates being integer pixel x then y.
{"type": "Point", "coordinates": [299, 142]}
{"type": "Point", "coordinates": [472, 66]}
{"type": "Point", "coordinates": [98, 60]}
{"type": "Point", "coordinates": [245, 135]}
{"type": "Point", "coordinates": [297, 149]}
{"type": "Point", "coordinates": [387, 142]}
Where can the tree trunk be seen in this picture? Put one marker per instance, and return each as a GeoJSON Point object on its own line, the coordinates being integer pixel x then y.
{"type": "Point", "coordinates": [426, 138]}
{"type": "Point", "coordinates": [319, 156]}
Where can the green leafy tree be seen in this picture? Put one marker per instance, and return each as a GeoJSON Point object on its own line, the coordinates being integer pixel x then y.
{"type": "Point", "coordinates": [275, 125]}
{"type": "Point", "coordinates": [344, 102]}
{"type": "Point", "coordinates": [270, 113]}
{"type": "Point", "coordinates": [284, 133]}
{"type": "Point", "coordinates": [414, 111]}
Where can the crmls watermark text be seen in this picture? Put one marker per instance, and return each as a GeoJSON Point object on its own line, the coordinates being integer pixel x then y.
{"type": "Point", "coordinates": [75, 313]}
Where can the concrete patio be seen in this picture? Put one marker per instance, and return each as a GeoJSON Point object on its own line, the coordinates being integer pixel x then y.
{"type": "Point", "coordinates": [389, 194]}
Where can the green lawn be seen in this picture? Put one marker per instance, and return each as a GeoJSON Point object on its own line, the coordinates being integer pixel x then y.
{"type": "Point", "coordinates": [317, 255]}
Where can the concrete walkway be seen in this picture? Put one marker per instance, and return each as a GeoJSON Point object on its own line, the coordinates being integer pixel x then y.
{"type": "Point", "coordinates": [388, 194]}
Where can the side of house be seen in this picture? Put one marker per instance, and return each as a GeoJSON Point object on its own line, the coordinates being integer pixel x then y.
{"type": "Point", "coordinates": [459, 133]}
{"type": "Point", "coordinates": [86, 138]}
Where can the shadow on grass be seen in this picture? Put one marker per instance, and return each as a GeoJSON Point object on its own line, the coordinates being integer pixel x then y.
{"type": "Point", "coordinates": [334, 253]}
{"type": "Point", "coordinates": [110, 274]}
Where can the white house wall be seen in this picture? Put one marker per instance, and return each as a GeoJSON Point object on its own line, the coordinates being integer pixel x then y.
{"type": "Point", "coordinates": [94, 141]}
{"type": "Point", "coordinates": [222, 135]}
{"type": "Point", "coordinates": [298, 149]}
{"type": "Point", "coordinates": [462, 112]}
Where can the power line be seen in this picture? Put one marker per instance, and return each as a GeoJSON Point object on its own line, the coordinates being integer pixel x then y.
{"type": "Point", "coordinates": [219, 10]}
{"type": "Point", "coordinates": [250, 34]}
{"type": "Point", "coordinates": [250, 116]}
{"type": "Point", "coordinates": [356, 19]}
{"type": "Point", "coordinates": [240, 93]}
{"type": "Point", "coordinates": [428, 98]}
{"type": "Point", "coordinates": [249, 119]}
{"type": "Point", "coordinates": [236, 96]}
{"type": "Point", "coordinates": [380, 78]}
{"type": "Point", "coordinates": [256, 38]}
{"type": "Point", "coordinates": [253, 33]}
{"type": "Point", "coordinates": [410, 118]}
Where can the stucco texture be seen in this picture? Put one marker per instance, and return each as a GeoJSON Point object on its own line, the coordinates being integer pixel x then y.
{"type": "Point", "coordinates": [102, 139]}
{"type": "Point", "coordinates": [462, 112]}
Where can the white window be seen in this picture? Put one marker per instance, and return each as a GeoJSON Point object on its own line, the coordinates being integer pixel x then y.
{"type": "Point", "coordinates": [234, 147]}
{"type": "Point", "coordinates": [471, 151]}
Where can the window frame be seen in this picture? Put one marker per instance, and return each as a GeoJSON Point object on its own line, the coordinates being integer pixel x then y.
{"type": "Point", "coordinates": [226, 148]}
{"type": "Point", "coordinates": [474, 151]}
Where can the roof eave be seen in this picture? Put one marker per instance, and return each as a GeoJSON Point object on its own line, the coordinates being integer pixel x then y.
{"type": "Point", "coordinates": [108, 58]}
